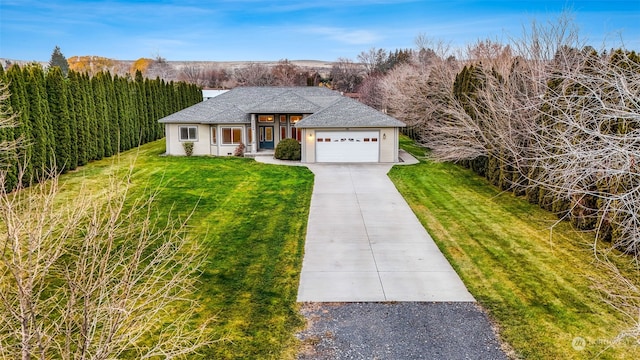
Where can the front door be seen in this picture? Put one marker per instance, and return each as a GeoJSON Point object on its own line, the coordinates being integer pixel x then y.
{"type": "Point", "coordinates": [266, 137]}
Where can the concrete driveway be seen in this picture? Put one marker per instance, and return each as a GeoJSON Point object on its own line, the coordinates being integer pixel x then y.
{"type": "Point", "coordinates": [364, 244]}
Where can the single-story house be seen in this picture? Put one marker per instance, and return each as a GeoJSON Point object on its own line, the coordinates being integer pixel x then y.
{"type": "Point", "coordinates": [330, 127]}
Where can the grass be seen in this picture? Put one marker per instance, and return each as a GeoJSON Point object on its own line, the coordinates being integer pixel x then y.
{"type": "Point", "coordinates": [537, 287]}
{"type": "Point", "coordinates": [251, 218]}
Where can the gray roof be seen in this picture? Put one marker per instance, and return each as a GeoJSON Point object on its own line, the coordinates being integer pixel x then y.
{"type": "Point", "coordinates": [325, 107]}
{"type": "Point", "coordinates": [286, 103]}
{"type": "Point", "coordinates": [346, 112]}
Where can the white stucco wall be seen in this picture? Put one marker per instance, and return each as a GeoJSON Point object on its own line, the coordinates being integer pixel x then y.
{"type": "Point", "coordinates": [201, 146]}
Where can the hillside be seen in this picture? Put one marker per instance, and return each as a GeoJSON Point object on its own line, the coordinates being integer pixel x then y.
{"type": "Point", "coordinates": [123, 66]}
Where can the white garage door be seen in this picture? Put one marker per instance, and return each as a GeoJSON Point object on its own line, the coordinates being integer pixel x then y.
{"type": "Point", "coordinates": [347, 146]}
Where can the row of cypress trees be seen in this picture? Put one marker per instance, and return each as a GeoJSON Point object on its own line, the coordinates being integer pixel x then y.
{"type": "Point", "coordinates": [68, 121]}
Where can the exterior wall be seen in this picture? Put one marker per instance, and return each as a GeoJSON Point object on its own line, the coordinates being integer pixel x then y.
{"type": "Point", "coordinates": [389, 143]}
{"type": "Point", "coordinates": [389, 138]}
{"type": "Point", "coordinates": [220, 149]}
{"type": "Point", "coordinates": [308, 154]}
{"type": "Point", "coordinates": [201, 146]}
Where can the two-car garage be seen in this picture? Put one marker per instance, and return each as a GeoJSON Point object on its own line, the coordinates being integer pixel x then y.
{"type": "Point", "coordinates": [347, 146]}
{"type": "Point", "coordinates": [349, 131]}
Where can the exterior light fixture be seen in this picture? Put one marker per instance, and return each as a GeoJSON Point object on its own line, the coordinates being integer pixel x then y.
{"type": "Point", "coordinates": [384, 136]}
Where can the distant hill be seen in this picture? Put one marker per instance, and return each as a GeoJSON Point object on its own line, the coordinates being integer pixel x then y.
{"type": "Point", "coordinates": [318, 65]}
{"type": "Point", "coordinates": [204, 73]}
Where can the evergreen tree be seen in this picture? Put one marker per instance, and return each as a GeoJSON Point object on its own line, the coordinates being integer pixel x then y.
{"type": "Point", "coordinates": [59, 110]}
{"type": "Point", "coordinates": [20, 106]}
{"type": "Point", "coordinates": [7, 132]}
{"type": "Point", "coordinates": [40, 121]}
{"type": "Point", "coordinates": [78, 111]}
{"type": "Point", "coordinates": [81, 118]}
{"type": "Point", "coordinates": [91, 127]}
{"type": "Point", "coordinates": [58, 60]}
{"type": "Point", "coordinates": [100, 111]}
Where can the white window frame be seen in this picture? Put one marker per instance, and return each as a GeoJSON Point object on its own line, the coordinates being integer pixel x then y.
{"type": "Point", "coordinates": [195, 137]}
{"type": "Point", "coordinates": [233, 141]}
{"type": "Point", "coordinates": [214, 135]}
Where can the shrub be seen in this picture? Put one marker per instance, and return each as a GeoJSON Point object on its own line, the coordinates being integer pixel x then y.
{"type": "Point", "coordinates": [188, 148]}
{"type": "Point", "coordinates": [288, 149]}
{"type": "Point", "coordinates": [239, 150]}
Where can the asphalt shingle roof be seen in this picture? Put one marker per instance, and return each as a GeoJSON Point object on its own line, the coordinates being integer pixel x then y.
{"type": "Point", "coordinates": [346, 112]}
{"type": "Point", "coordinates": [327, 108]}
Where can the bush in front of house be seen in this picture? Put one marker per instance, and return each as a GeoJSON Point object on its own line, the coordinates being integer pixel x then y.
{"type": "Point", "coordinates": [188, 148]}
{"type": "Point", "coordinates": [288, 149]}
{"type": "Point", "coordinates": [239, 151]}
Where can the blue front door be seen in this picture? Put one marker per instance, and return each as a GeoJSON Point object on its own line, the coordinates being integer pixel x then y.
{"type": "Point", "coordinates": [266, 137]}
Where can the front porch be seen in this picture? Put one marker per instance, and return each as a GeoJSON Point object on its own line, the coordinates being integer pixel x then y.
{"type": "Point", "coordinates": [260, 152]}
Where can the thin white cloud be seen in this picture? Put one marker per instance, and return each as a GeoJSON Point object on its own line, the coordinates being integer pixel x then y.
{"type": "Point", "coordinates": [347, 36]}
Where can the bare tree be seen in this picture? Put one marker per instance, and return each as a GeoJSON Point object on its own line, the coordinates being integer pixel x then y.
{"type": "Point", "coordinates": [373, 60]}
{"type": "Point", "coordinates": [420, 93]}
{"type": "Point", "coordinates": [205, 76]}
{"type": "Point", "coordinates": [193, 74]}
{"type": "Point", "coordinates": [161, 68]}
{"type": "Point", "coordinates": [94, 275]}
{"type": "Point", "coordinates": [218, 78]}
{"type": "Point", "coordinates": [558, 120]}
{"type": "Point", "coordinates": [288, 74]}
{"type": "Point", "coordinates": [491, 52]}
{"type": "Point", "coordinates": [254, 74]}
{"type": "Point", "coordinates": [587, 145]}
{"type": "Point", "coordinates": [346, 75]}
{"type": "Point", "coordinates": [371, 92]}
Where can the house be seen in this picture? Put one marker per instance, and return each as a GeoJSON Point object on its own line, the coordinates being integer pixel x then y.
{"type": "Point", "coordinates": [329, 126]}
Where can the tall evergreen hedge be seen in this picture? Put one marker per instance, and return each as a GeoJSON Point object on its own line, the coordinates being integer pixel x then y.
{"type": "Point", "coordinates": [67, 121]}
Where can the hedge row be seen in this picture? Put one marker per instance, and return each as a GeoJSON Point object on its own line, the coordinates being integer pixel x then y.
{"type": "Point", "coordinates": [68, 121]}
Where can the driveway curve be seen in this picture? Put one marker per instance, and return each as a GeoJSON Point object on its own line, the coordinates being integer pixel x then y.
{"type": "Point", "coordinates": [365, 244]}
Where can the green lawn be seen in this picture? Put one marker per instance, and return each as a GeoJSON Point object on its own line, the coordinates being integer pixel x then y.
{"type": "Point", "coordinates": [538, 288]}
{"type": "Point", "coordinates": [252, 220]}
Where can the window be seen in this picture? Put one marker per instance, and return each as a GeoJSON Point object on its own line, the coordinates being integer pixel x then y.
{"type": "Point", "coordinates": [283, 119]}
{"type": "Point", "coordinates": [268, 133]}
{"type": "Point", "coordinates": [231, 135]}
{"type": "Point", "coordinates": [214, 135]}
{"type": "Point", "coordinates": [295, 119]}
{"type": "Point", "coordinates": [296, 133]}
{"type": "Point", "coordinates": [265, 118]}
{"type": "Point", "coordinates": [283, 132]}
{"type": "Point", "coordinates": [188, 133]}
{"type": "Point", "coordinates": [249, 135]}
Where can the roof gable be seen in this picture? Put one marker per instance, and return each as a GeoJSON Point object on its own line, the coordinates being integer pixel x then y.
{"type": "Point", "coordinates": [346, 112]}
{"type": "Point", "coordinates": [287, 102]}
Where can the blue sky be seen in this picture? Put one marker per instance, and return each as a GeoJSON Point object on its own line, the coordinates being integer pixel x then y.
{"type": "Point", "coordinates": [227, 30]}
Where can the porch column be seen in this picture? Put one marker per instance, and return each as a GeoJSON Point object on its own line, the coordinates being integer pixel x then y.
{"type": "Point", "coordinates": [254, 134]}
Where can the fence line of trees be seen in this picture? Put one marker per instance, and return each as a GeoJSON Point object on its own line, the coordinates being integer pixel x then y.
{"type": "Point", "coordinates": [545, 117]}
{"type": "Point", "coordinates": [99, 277]}
{"type": "Point", "coordinates": [67, 121]}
